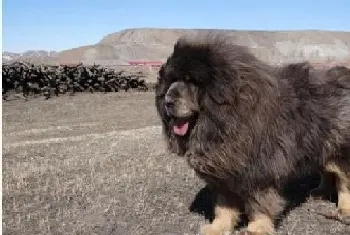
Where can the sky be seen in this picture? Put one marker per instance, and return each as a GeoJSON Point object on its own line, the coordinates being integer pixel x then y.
{"type": "Point", "coordinates": [64, 24]}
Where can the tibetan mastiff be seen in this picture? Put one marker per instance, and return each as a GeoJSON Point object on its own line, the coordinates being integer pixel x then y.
{"type": "Point", "coordinates": [248, 129]}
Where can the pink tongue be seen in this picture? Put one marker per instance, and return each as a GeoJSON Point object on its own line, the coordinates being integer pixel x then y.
{"type": "Point", "coordinates": [181, 129]}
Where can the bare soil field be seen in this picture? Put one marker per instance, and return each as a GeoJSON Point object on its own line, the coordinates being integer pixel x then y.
{"type": "Point", "coordinates": [97, 164]}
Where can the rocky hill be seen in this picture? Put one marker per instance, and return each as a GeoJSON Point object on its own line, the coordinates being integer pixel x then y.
{"type": "Point", "coordinates": [33, 56]}
{"type": "Point", "coordinates": [156, 44]}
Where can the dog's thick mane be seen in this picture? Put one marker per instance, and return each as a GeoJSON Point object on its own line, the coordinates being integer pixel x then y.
{"type": "Point", "coordinates": [255, 120]}
{"type": "Point", "coordinates": [211, 61]}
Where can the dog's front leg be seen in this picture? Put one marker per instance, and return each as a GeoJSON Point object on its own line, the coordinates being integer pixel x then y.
{"type": "Point", "coordinates": [263, 209]}
{"type": "Point", "coordinates": [226, 218]}
{"type": "Point", "coordinates": [226, 211]}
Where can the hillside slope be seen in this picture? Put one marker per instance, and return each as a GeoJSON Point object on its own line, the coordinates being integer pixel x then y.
{"type": "Point", "coordinates": [32, 56]}
{"type": "Point", "coordinates": [156, 44]}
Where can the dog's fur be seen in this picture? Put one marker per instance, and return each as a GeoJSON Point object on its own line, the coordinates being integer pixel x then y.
{"type": "Point", "coordinates": [252, 127]}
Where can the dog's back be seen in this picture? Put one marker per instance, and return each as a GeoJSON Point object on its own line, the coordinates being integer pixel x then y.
{"type": "Point", "coordinates": [324, 97]}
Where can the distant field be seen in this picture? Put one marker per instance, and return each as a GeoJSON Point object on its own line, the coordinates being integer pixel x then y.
{"type": "Point", "coordinates": [96, 164]}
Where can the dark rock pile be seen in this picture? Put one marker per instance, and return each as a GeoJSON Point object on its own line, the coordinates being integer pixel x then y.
{"type": "Point", "coordinates": [42, 80]}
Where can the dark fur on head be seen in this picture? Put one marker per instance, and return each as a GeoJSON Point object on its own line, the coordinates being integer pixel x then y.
{"type": "Point", "coordinates": [252, 128]}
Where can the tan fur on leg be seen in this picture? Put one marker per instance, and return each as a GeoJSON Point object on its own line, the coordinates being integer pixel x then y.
{"type": "Point", "coordinates": [260, 224]}
{"type": "Point", "coordinates": [262, 211]}
{"type": "Point", "coordinates": [343, 187]}
{"type": "Point", "coordinates": [226, 218]}
{"type": "Point", "coordinates": [344, 203]}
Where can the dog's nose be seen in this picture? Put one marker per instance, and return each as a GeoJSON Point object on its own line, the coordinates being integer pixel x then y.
{"type": "Point", "coordinates": [169, 102]}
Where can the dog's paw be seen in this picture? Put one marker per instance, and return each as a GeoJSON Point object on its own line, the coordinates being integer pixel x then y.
{"type": "Point", "coordinates": [261, 226]}
{"type": "Point", "coordinates": [344, 212]}
{"type": "Point", "coordinates": [344, 204]}
{"type": "Point", "coordinates": [210, 229]}
{"type": "Point", "coordinates": [252, 233]}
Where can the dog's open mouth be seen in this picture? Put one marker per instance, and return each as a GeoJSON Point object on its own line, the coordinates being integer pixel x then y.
{"type": "Point", "coordinates": [180, 128]}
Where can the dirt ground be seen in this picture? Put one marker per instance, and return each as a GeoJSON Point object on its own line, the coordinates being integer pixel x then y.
{"type": "Point", "coordinates": [97, 164]}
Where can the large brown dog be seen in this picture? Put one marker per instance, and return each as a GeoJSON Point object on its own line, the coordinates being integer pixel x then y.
{"type": "Point", "coordinates": [248, 129]}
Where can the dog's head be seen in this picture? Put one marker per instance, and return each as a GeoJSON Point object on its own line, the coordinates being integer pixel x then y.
{"type": "Point", "coordinates": [178, 106]}
{"type": "Point", "coordinates": [177, 101]}
{"type": "Point", "coordinates": [202, 87]}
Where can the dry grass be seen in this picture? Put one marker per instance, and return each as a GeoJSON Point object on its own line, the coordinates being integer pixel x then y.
{"type": "Point", "coordinates": [96, 164]}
